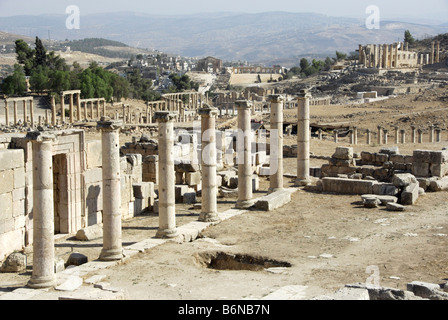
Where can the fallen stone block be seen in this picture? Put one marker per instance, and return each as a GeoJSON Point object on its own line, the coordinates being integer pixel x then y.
{"type": "Point", "coordinates": [347, 186]}
{"type": "Point", "coordinates": [384, 188]}
{"type": "Point", "coordinates": [76, 259]}
{"type": "Point", "coordinates": [70, 284]}
{"type": "Point", "coordinates": [403, 179]}
{"type": "Point", "coordinates": [391, 206]}
{"type": "Point", "coordinates": [438, 185]}
{"type": "Point", "coordinates": [384, 293]}
{"type": "Point", "coordinates": [90, 233]}
{"type": "Point", "coordinates": [427, 290]}
{"type": "Point", "coordinates": [273, 201]}
{"type": "Point", "coordinates": [15, 262]}
{"type": "Point", "coordinates": [343, 153]}
{"type": "Point", "coordinates": [410, 194]}
{"type": "Point", "coordinates": [370, 201]}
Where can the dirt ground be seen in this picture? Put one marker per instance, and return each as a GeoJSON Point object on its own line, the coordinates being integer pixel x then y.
{"type": "Point", "coordinates": [328, 240]}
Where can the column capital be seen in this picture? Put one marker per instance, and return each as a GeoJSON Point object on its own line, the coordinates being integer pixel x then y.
{"type": "Point", "coordinates": [208, 111]}
{"type": "Point", "coordinates": [276, 98]}
{"type": "Point", "coordinates": [304, 93]}
{"type": "Point", "coordinates": [108, 124]}
{"type": "Point", "coordinates": [41, 136]}
{"type": "Point", "coordinates": [165, 116]}
{"type": "Point", "coordinates": [243, 104]}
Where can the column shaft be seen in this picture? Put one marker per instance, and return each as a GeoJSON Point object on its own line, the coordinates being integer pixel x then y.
{"type": "Point", "coordinates": [112, 234]}
{"type": "Point", "coordinates": [43, 275]}
{"type": "Point", "coordinates": [303, 139]}
{"type": "Point", "coordinates": [276, 144]}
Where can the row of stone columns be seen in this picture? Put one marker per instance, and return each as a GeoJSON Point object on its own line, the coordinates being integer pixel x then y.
{"type": "Point", "coordinates": [435, 135]}
{"type": "Point", "coordinates": [15, 109]}
{"type": "Point", "coordinates": [43, 223]}
{"type": "Point", "coordinates": [43, 274]}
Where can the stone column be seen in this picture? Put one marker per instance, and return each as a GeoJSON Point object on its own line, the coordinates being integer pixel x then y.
{"type": "Point", "coordinates": [32, 112]}
{"type": "Point", "coordinates": [16, 120]}
{"type": "Point", "coordinates": [431, 133]}
{"type": "Point", "coordinates": [53, 111]}
{"type": "Point", "coordinates": [420, 135]}
{"type": "Point", "coordinates": [71, 108]}
{"type": "Point", "coordinates": [380, 135]}
{"type": "Point", "coordinates": [209, 211]}
{"type": "Point", "coordinates": [438, 135]}
{"type": "Point", "coordinates": [397, 134]}
{"type": "Point", "coordinates": [303, 139]}
{"type": "Point", "coordinates": [413, 135]}
{"type": "Point", "coordinates": [112, 239]}
{"type": "Point", "coordinates": [25, 113]}
{"type": "Point", "coordinates": [335, 135]}
{"type": "Point", "coordinates": [62, 108]}
{"type": "Point", "coordinates": [355, 135]}
{"type": "Point", "coordinates": [244, 145]}
{"type": "Point", "coordinates": [276, 141]}
{"type": "Point", "coordinates": [385, 138]}
{"type": "Point", "coordinates": [438, 52]}
{"type": "Point", "coordinates": [6, 113]}
{"type": "Point", "coordinates": [403, 136]}
{"type": "Point", "coordinates": [43, 275]}
{"type": "Point", "coordinates": [78, 106]}
{"type": "Point", "coordinates": [368, 137]}
{"type": "Point", "coordinates": [431, 57]}
{"type": "Point", "coordinates": [167, 200]}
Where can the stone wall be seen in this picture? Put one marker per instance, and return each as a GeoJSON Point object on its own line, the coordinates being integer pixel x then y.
{"type": "Point", "coordinates": [12, 201]}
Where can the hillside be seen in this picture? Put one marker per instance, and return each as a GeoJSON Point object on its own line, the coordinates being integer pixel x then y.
{"type": "Point", "coordinates": [261, 37]}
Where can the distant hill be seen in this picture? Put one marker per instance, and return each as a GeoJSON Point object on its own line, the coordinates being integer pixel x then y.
{"type": "Point", "coordinates": [262, 37]}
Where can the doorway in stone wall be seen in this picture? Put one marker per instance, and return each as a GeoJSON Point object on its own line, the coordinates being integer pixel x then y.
{"type": "Point", "coordinates": [60, 194]}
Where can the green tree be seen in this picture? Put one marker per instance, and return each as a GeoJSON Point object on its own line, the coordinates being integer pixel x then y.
{"type": "Point", "coordinates": [40, 54]}
{"type": "Point", "coordinates": [304, 64]}
{"type": "Point", "coordinates": [25, 56]}
{"type": "Point", "coordinates": [409, 38]}
{"type": "Point", "coordinates": [15, 84]}
{"type": "Point", "coordinates": [39, 80]}
{"type": "Point", "coordinates": [340, 56]}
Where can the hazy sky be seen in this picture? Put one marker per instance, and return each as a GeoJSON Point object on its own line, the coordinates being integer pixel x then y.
{"type": "Point", "coordinates": [428, 9]}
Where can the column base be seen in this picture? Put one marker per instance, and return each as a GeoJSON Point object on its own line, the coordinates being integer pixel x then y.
{"type": "Point", "coordinates": [41, 282]}
{"type": "Point", "coordinates": [209, 217]}
{"type": "Point", "coordinates": [244, 204]}
{"type": "Point", "coordinates": [302, 182]}
{"type": "Point", "coordinates": [272, 190]}
{"type": "Point", "coordinates": [167, 233]}
{"type": "Point", "coordinates": [111, 255]}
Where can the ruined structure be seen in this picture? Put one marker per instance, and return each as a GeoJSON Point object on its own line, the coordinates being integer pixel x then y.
{"type": "Point", "coordinates": [396, 56]}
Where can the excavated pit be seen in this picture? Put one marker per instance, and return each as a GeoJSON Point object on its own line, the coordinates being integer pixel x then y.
{"type": "Point", "coordinates": [227, 261]}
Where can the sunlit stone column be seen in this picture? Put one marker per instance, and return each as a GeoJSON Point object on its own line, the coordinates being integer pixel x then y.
{"type": "Point", "coordinates": [62, 107]}
{"type": "Point", "coordinates": [244, 145]}
{"type": "Point", "coordinates": [112, 238]}
{"type": "Point", "coordinates": [276, 141]}
{"type": "Point", "coordinates": [6, 113]}
{"type": "Point", "coordinates": [32, 112]}
{"type": "Point", "coordinates": [209, 186]}
{"type": "Point", "coordinates": [380, 135]}
{"type": "Point", "coordinates": [25, 113]}
{"type": "Point", "coordinates": [413, 134]}
{"type": "Point", "coordinates": [16, 120]}
{"type": "Point", "coordinates": [43, 275]}
{"type": "Point", "coordinates": [303, 139]}
{"type": "Point", "coordinates": [420, 135]}
{"type": "Point", "coordinates": [167, 201]}
{"type": "Point", "coordinates": [53, 111]}
{"type": "Point", "coordinates": [403, 136]}
{"type": "Point", "coordinates": [368, 137]}
{"type": "Point", "coordinates": [71, 111]}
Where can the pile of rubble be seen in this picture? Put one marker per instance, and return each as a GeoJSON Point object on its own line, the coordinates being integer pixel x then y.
{"type": "Point", "coordinates": [386, 178]}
